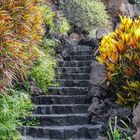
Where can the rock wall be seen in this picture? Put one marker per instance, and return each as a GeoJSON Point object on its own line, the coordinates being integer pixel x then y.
{"type": "Point", "coordinates": [119, 7]}
{"type": "Point", "coordinates": [102, 102]}
{"type": "Point", "coordinates": [116, 8]}
{"type": "Point", "coordinates": [136, 122]}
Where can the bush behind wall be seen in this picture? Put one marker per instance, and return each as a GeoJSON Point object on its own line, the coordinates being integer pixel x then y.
{"type": "Point", "coordinates": [86, 14]}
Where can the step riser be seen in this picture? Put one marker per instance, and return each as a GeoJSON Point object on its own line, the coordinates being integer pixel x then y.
{"type": "Point", "coordinates": [73, 83]}
{"type": "Point", "coordinates": [70, 91]}
{"type": "Point", "coordinates": [62, 120]}
{"type": "Point", "coordinates": [75, 64]}
{"type": "Point", "coordinates": [64, 113]}
{"type": "Point", "coordinates": [62, 134]}
{"type": "Point", "coordinates": [60, 109]}
{"type": "Point", "coordinates": [81, 53]}
{"type": "Point", "coordinates": [60, 100]}
{"type": "Point", "coordinates": [79, 48]}
{"type": "Point", "coordinates": [78, 58]}
{"type": "Point", "coordinates": [73, 70]}
{"type": "Point", "coordinates": [74, 77]}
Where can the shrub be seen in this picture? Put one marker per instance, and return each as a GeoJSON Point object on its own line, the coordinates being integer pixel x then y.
{"type": "Point", "coordinates": [44, 72]}
{"type": "Point", "coordinates": [48, 46]}
{"type": "Point", "coordinates": [64, 26]}
{"type": "Point", "coordinates": [54, 22]}
{"type": "Point", "coordinates": [20, 32]}
{"type": "Point", "coordinates": [86, 14]}
{"type": "Point", "coordinates": [13, 108]}
{"type": "Point", "coordinates": [120, 53]}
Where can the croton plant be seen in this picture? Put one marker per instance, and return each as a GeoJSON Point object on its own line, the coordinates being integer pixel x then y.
{"type": "Point", "coordinates": [120, 53]}
{"type": "Point", "coordinates": [20, 33]}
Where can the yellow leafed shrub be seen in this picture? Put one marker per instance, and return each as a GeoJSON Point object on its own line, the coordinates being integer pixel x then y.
{"type": "Point", "coordinates": [20, 33]}
{"type": "Point", "coordinates": [120, 53]}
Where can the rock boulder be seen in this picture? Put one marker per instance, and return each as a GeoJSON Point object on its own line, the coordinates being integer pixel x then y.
{"type": "Point", "coordinates": [102, 102]}
{"type": "Point", "coordinates": [136, 122]}
{"type": "Point", "coordinates": [116, 8]}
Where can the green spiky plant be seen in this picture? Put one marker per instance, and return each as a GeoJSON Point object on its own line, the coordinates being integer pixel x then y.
{"type": "Point", "coordinates": [13, 108]}
{"type": "Point", "coordinates": [116, 131]}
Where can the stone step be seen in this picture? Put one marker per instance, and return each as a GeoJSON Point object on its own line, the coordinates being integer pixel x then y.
{"type": "Point", "coordinates": [81, 52]}
{"type": "Point", "coordinates": [61, 119]}
{"type": "Point", "coordinates": [72, 83]}
{"type": "Point", "coordinates": [31, 138]}
{"type": "Point", "coordinates": [75, 63]}
{"type": "Point", "coordinates": [69, 70]}
{"type": "Point", "coordinates": [78, 57]}
{"type": "Point", "coordinates": [74, 76]}
{"type": "Point", "coordinates": [68, 90]}
{"type": "Point", "coordinates": [59, 99]}
{"type": "Point", "coordinates": [76, 132]}
{"type": "Point", "coordinates": [60, 109]}
{"type": "Point", "coordinates": [79, 48]}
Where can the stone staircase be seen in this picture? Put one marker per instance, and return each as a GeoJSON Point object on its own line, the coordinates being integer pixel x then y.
{"type": "Point", "coordinates": [63, 113]}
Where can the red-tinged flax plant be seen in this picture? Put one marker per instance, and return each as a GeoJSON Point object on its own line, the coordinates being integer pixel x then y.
{"type": "Point", "coordinates": [21, 31]}
{"type": "Point", "coordinates": [120, 53]}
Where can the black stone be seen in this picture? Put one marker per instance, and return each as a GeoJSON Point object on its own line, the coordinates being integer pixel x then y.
{"type": "Point", "coordinates": [63, 111]}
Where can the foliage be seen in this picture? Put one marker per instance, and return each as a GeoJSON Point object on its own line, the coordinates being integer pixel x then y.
{"type": "Point", "coordinates": [55, 23]}
{"type": "Point", "coordinates": [20, 33]}
{"type": "Point", "coordinates": [120, 53]}
{"type": "Point", "coordinates": [86, 14]}
{"type": "Point", "coordinates": [32, 122]}
{"type": "Point", "coordinates": [48, 46]}
{"type": "Point", "coordinates": [24, 86]}
{"type": "Point", "coordinates": [44, 72]}
{"type": "Point", "coordinates": [117, 132]}
{"type": "Point", "coordinates": [13, 107]}
{"type": "Point", "coordinates": [64, 26]}
{"type": "Point", "coordinates": [138, 3]}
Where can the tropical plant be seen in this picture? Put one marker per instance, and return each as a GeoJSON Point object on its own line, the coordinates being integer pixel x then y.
{"type": "Point", "coordinates": [31, 122]}
{"type": "Point", "coordinates": [120, 53]}
{"type": "Point", "coordinates": [117, 129]}
{"type": "Point", "coordinates": [88, 15]}
{"type": "Point", "coordinates": [20, 33]}
{"type": "Point", "coordinates": [64, 26]}
{"type": "Point", "coordinates": [13, 107]}
{"type": "Point", "coordinates": [49, 45]}
{"type": "Point", "coordinates": [44, 72]}
{"type": "Point", "coordinates": [54, 22]}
